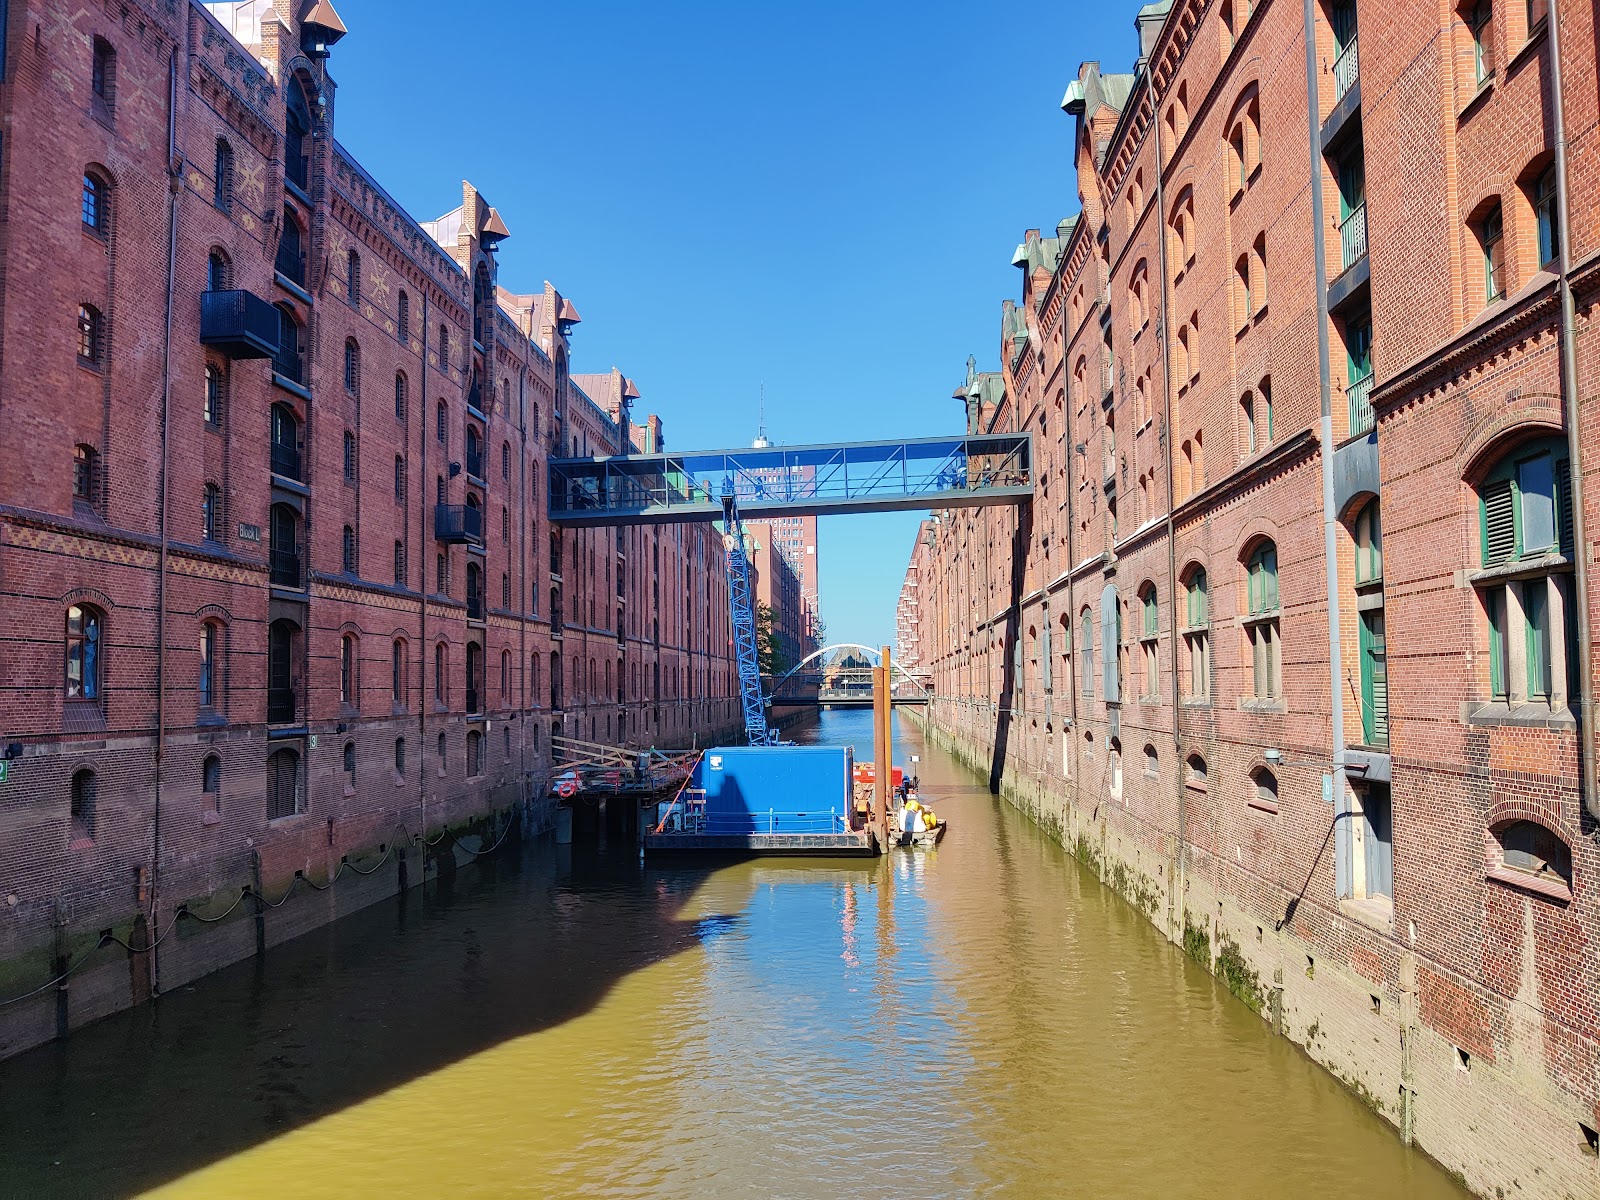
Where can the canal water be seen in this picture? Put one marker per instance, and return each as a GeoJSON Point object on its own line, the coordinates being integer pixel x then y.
{"type": "Point", "coordinates": [982, 1020]}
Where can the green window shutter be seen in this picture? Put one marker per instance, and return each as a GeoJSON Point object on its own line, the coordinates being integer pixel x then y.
{"type": "Point", "coordinates": [1494, 603]}
{"type": "Point", "coordinates": [1374, 681]}
{"type": "Point", "coordinates": [1536, 619]}
{"type": "Point", "coordinates": [1499, 522]}
{"type": "Point", "coordinates": [1564, 506]}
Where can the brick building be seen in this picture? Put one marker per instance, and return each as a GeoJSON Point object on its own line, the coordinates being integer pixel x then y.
{"type": "Point", "coordinates": [796, 540]}
{"type": "Point", "coordinates": [778, 587]}
{"type": "Point", "coordinates": [278, 581]}
{"type": "Point", "coordinates": [1178, 655]}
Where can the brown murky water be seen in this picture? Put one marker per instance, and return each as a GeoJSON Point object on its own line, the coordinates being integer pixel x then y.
{"type": "Point", "coordinates": [984, 1020]}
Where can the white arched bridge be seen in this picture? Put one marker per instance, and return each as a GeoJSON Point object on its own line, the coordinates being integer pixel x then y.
{"type": "Point", "coordinates": [840, 676]}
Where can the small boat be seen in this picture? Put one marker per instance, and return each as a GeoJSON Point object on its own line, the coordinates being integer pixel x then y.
{"type": "Point", "coordinates": [927, 839]}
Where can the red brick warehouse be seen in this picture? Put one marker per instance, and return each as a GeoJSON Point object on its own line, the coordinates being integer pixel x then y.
{"type": "Point", "coordinates": [1291, 644]}
{"type": "Point", "coordinates": [278, 583]}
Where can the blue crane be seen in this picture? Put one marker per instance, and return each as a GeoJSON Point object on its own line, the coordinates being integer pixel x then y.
{"type": "Point", "coordinates": [742, 616]}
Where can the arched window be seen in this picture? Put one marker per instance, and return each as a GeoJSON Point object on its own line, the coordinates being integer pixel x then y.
{"type": "Point", "coordinates": [403, 323]}
{"type": "Point", "coordinates": [399, 479]}
{"type": "Point", "coordinates": [84, 668]}
{"type": "Point", "coordinates": [219, 272]}
{"type": "Point", "coordinates": [1368, 533]}
{"type": "Point", "coordinates": [400, 396]}
{"type": "Point", "coordinates": [91, 337]}
{"type": "Point", "coordinates": [348, 545]}
{"type": "Point", "coordinates": [475, 696]}
{"type": "Point", "coordinates": [442, 416]}
{"type": "Point", "coordinates": [1478, 16]}
{"type": "Point", "coordinates": [474, 753]}
{"type": "Point", "coordinates": [1530, 852]}
{"type": "Point", "coordinates": [206, 690]}
{"type": "Point", "coordinates": [505, 460]}
{"type": "Point", "coordinates": [400, 757]}
{"type": "Point", "coordinates": [1263, 793]}
{"type": "Point", "coordinates": [350, 762]}
{"type": "Point", "coordinates": [211, 783]}
{"type": "Point", "coordinates": [1197, 633]}
{"type": "Point", "coordinates": [283, 784]}
{"type": "Point", "coordinates": [352, 277]}
{"type": "Point", "coordinates": [211, 403]}
{"type": "Point", "coordinates": [441, 564]}
{"type": "Point", "coordinates": [348, 658]}
{"type": "Point", "coordinates": [1149, 637]}
{"type": "Point", "coordinates": [1152, 760]}
{"type": "Point", "coordinates": [441, 675]}
{"type": "Point", "coordinates": [399, 563]}
{"type": "Point", "coordinates": [505, 676]}
{"type": "Point", "coordinates": [397, 672]}
{"type": "Point", "coordinates": [1261, 626]}
{"type": "Point", "coordinates": [297, 135]}
{"type": "Point", "coordinates": [352, 367]}
{"type": "Point", "coordinates": [222, 176]}
{"type": "Point", "coordinates": [96, 204]}
{"type": "Point", "coordinates": [286, 360]}
{"type": "Point", "coordinates": [555, 679]}
{"type": "Point", "coordinates": [1543, 195]}
{"type": "Point", "coordinates": [1195, 772]}
{"type": "Point", "coordinates": [349, 456]}
{"type": "Point", "coordinates": [85, 474]}
{"type": "Point", "coordinates": [283, 534]}
{"type": "Point", "coordinates": [1086, 652]}
{"type": "Point", "coordinates": [210, 512]}
{"type": "Point", "coordinates": [444, 348]}
{"type": "Point", "coordinates": [85, 791]}
{"type": "Point", "coordinates": [285, 433]}
{"type": "Point", "coordinates": [1525, 517]}
{"type": "Point", "coordinates": [290, 261]}
{"type": "Point", "coordinates": [1492, 246]}
{"type": "Point", "coordinates": [103, 77]}
{"type": "Point", "coordinates": [444, 758]}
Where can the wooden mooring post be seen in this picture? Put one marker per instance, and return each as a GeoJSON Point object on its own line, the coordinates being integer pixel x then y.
{"type": "Point", "coordinates": [883, 749]}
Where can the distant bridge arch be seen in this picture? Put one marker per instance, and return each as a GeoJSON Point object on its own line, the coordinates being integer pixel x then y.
{"type": "Point", "coordinates": [850, 684]}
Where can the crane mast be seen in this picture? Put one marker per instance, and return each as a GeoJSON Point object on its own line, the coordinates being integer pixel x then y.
{"type": "Point", "coordinates": [742, 616]}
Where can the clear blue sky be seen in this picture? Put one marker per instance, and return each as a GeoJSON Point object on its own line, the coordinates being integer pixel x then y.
{"type": "Point", "coordinates": [824, 197]}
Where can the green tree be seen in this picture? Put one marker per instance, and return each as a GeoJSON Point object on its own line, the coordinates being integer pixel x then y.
{"type": "Point", "coordinates": [769, 649]}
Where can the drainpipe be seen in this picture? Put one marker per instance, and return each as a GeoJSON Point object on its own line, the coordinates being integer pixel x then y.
{"type": "Point", "coordinates": [422, 599]}
{"type": "Point", "coordinates": [1569, 403]}
{"type": "Point", "coordinates": [174, 190]}
{"type": "Point", "coordinates": [1180, 884]}
{"type": "Point", "coordinates": [1329, 516]}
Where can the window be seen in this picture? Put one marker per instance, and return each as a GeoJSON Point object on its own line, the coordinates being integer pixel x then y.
{"type": "Point", "coordinates": [1149, 632]}
{"type": "Point", "coordinates": [211, 783]}
{"type": "Point", "coordinates": [443, 418]}
{"type": "Point", "coordinates": [348, 545]}
{"type": "Point", "coordinates": [283, 784]}
{"type": "Point", "coordinates": [1086, 653]}
{"type": "Point", "coordinates": [443, 756]}
{"type": "Point", "coordinates": [441, 582]}
{"type": "Point", "coordinates": [440, 675]}
{"type": "Point", "coordinates": [1261, 626]}
{"type": "Point", "coordinates": [211, 402]}
{"type": "Point", "coordinates": [400, 756]}
{"type": "Point", "coordinates": [296, 135]}
{"type": "Point", "coordinates": [1358, 372]}
{"type": "Point", "coordinates": [1114, 761]}
{"type": "Point", "coordinates": [1374, 652]}
{"type": "Point", "coordinates": [1480, 27]}
{"type": "Point", "coordinates": [1263, 792]}
{"type": "Point", "coordinates": [206, 686]}
{"type": "Point", "coordinates": [1373, 854]}
{"type": "Point", "coordinates": [91, 336]}
{"type": "Point", "coordinates": [83, 674]}
{"type": "Point", "coordinates": [348, 649]}
{"type": "Point", "coordinates": [399, 479]}
{"type": "Point", "coordinates": [505, 589]}
{"type": "Point", "coordinates": [1369, 545]}
{"type": "Point", "coordinates": [505, 460]}
{"type": "Point", "coordinates": [286, 362]}
{"type": "Point", "coordinates": [291, 257]}
{"type": "Point", "coordinates": [399, 396]}
{"type": "Point", "coordinates": [1152, 761]}
{"type": "Point", "coordinates": [350, 762]}
{"type": "Point", "coordinates": [1492, 240]}
{"type": "Point", "coordinates": [96, 205]}
{"type": "Point", "coordinates": [85, 787]}
{"type": "Point", "coordinates": [210, 512]}
{"type": "Point", "coordinates": [352, 278]}
{"type": "Point", "coordinates": [1241, 285]}
{"type": "Point", "coordinates": [1258, 274]}
{"type": "Point", "coordinates": [1536, 852]}
{"type": "Point", "coordinates": [352, 367]}
{"type": "Point", "coordinates": [474, 753]}
{"type": "Point", "coordinates": [222, 176]}
{"type": "Point", "coordinates": [1544, 211]}
{"type": "Point", "coordinates": [397, 672]}
{"type": "Point", "coordinates": [438, 488]}
{"type": "Point", "coordinates": [403, 324]}
{"type": "Point", "coordinates": [399, 563]}
{"type": "Point", "coordinates": [505, 676]}
{"type": "Point", "coordinates": [86, 474]}
{"type": "Point", "coordinates": [1195, 773]}
{"type": "Point", "coordinates": [282, 681]}
{"type": "Point", "coordinates": [444, 348]}
{"type": "Point", "coordinates": [103, 77]}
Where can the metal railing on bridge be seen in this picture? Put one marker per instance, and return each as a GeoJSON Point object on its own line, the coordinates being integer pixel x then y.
{"type": "Point", "coordinates": [836, 477]}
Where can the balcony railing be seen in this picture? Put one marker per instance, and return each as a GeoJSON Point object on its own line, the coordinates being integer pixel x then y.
{"type": "Point", "coordinates": [281, 706]}
{"type": "Point", "coordinates": [473, 705]}
{"type": "Point", "coordinates": [238, 323]}
{"type": "Point", "coordinates": [1346, 70]}
{"type": "Point", "coordinates": [286, 462]}
{"type": "Point", "coordinates": [1353, 236]}
{"type": "Point", "coordinates": [475, 463]}
{"type": "Point", "coordinates": [458, 523]}
{"type": "Point", "coordinates": [474, 606]}
{"type": "Point", "coordinates": [1359, 394]}
{"type": "Point", "coordinates": [284, 566]}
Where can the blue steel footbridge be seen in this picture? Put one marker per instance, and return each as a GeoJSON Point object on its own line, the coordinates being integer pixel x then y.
{"type": "Point", "coordinates": [826, 479]}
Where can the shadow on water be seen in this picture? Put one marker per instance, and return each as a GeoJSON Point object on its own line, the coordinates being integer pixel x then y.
{"type": "Point", "coordinates": [510, 947]}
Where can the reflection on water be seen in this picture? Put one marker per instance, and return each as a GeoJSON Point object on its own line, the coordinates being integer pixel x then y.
{"type": "Point", "coordinates": [983, 1019]}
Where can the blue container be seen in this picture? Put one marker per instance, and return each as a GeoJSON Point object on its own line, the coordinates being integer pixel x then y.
{"type": "Point", "coordinates": [775, 789]}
